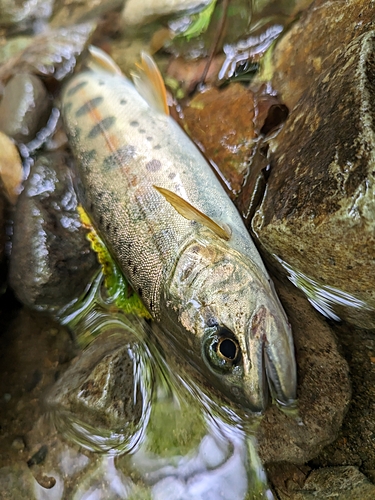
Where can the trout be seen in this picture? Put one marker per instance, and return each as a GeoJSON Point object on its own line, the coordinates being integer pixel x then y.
{"type": "Point", "coordinates": [176, 235]}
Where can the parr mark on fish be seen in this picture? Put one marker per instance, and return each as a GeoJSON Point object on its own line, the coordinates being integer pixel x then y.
{"type": "Point", "coordinates": [89, 106]}
{"type": "Point", "coordinates": [102, 126]}
{"type": "Point", "coordinates": [76, 88]}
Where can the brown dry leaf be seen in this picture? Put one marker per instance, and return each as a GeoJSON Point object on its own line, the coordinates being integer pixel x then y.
{"type": "Point", "coordinates": [11, 173]}
{"type": "Point", "coordinates": [221, 121]}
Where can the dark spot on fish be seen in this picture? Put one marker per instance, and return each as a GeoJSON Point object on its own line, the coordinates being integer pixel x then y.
{"type": "Point", "coordinates": [151, 305]}
{"type": "Point", "coordinates": [101, 82]}
{"type": "Point", "coordinates": [142, 131]}
{"type": "Point", "coordinates": [157, 146]}
{"type": "Point", "coordinates": [67, 107]}
{"type": "Point", "coordinates": [108, 227]}
{"type": "Point", "coordinates": [119, 158]}
{"type": "Point", "coordinates": [101, 220]}
{"type": "Point", "coordinates": [87, 157]}
{"type": "Point", "coordinates": [76, 88]}
{"type": "Point", "coordinates": [140, 292]}
{"type": "Point", "coordinates": [91, 206]}
{"type": "Point", "coordinates": [115, 229]}
{"type": "Point", "coordinates": [89, 106]}
{"type": "Point", "coordinates": [172, 175]}
{"type": "Point", "coordinates": [134, 269]}
{"type": "Point", "coordinates": [100, 195]}
{"type": "Point", "coordinates": [134, 123]}
{"type": "Point", "coordinates": [149, 138]}
{"type": "Point", "coordinates": [153, 165]}
{"type": "Point", "coordinates": [104, 124]}
{"type": "Point", "coordinates": [123, 101]}
{"type": "Point", "coordinates": [129, 263]}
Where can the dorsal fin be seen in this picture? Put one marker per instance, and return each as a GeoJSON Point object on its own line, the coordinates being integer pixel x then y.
{"type": "Point", "coordinates": [101, 61]}
{"type": "Point", "coordinates": [149, 83]}
{"type": "Point", "coordinates": [187, 210]}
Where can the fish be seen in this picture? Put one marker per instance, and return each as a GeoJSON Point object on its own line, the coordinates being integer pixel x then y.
{"type": "Point", "coordinates": [176, 235]}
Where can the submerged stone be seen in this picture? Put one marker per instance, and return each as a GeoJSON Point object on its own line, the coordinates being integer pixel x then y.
{"type": "Point", "coordinates": [102, 400]}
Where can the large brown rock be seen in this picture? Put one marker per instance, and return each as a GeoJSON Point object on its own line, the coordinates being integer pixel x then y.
{"type": "Point", "coordinates": [318, 212]}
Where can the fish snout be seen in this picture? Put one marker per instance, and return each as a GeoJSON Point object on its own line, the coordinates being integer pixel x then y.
{"type": "Point", "coordinates": [271, 366]}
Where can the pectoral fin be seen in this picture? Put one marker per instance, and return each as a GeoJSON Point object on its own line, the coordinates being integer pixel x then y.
{"type": "Point", "coordinates": [187, 210]}
{"type": "Point", "coordinates": [149, 83]}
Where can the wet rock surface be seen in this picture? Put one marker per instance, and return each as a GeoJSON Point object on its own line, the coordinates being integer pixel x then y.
{"type": "Point", "coordinates": [34, 349]}
{"type": "Point", "coordinates": [355, 442]}
{"type": "Point", "coordinates": [318, 211]}
{"type": "Point", "coordinates": [51, 261]}
{"type": "Point", "coordinates": [343, 483]}
{"type": "Point", "coordinates": [323, 393]}
{"type": "Point", "coordinates": [24, 108]}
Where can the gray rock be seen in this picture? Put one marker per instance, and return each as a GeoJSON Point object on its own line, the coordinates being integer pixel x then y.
{"type": "Point", "coordinates": [317, 216]}
{"type": "Point", "coordinates": [51, 262]}
{"type": "Point", "coordinates": [24, 108]}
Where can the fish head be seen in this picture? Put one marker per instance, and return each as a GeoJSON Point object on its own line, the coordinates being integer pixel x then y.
{"type": "Point", "coordinates": [238, 335]}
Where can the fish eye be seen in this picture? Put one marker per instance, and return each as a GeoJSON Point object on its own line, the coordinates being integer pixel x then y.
{"type": "Point", "coordinates": [222, 349]}
{"type": "Point", "coordinates": [227, 349]}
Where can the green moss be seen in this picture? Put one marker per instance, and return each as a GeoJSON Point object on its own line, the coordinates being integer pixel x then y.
{"type": "Point", "coordinates": [175, 428]}
{"type": "Point", "coordinates": [200, 22]}
{"type": "Point", "coordinates": [117, 286]}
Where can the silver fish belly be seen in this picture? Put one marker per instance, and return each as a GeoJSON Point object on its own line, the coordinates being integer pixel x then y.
{"type": "Point", "coordinates": [213, 298]}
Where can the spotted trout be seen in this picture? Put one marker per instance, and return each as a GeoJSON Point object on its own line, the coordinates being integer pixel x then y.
{"type": "Point", "coordinates": [176, 235]}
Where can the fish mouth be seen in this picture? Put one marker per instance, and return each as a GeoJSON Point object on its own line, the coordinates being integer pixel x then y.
{"type": "Point", "coordinates": [283, 391]}
{"type": "Point", "coordinates": [279, 362]}
{"type": "Point", "coordinates": [271, 364]}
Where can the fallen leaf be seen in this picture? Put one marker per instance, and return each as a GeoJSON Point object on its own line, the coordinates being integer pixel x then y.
{"type": "Point", "coordinates": [11, 173]}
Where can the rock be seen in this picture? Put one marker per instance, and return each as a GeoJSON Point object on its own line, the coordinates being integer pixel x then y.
{"type": "Point", "coordinates": [355, 442]}
{"type": "Point", "coordinates": [51, 262]}
{"type": "Point", "coordinates": [323, 392]}
{"type": "Point", "coordinates": [341, 483]}
{"type": "Point", "coordinates": [16, 481]}
{"type": "Point", "coordinates": [24, 108]}
{"type": "Point", "coordinates": [317, 215]}
{"type": "Point", "coordinates": [321, 34]}
{"type": "Point", "coordinates": [102, 401]}
{"type": "Point", "coordinates": [52, 54]}
{"type": "Point", "coordinates": [23, 13]}
{"type": "Point", "coordinates": [30, 344]}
